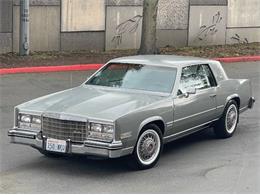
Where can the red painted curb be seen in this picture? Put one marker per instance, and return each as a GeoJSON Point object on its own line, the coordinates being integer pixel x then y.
{"type": "Point", "coordinates": [238, 59]}
{"type": "Point", "coordinates": [79, 67]}
{"type": "Point", "coordinates": [41, 69]}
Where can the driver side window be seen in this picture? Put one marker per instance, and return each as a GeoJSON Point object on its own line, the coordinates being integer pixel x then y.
{"type": "Point", "coordinates": [195, 77]}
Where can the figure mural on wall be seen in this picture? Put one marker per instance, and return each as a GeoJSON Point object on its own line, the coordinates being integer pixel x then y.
{"type": "Point", "coordinates": [238, 39]}
{"type": "Point", "coordinates": [209, 30]}
{"type": "Point", "coordinates": [129, 26]}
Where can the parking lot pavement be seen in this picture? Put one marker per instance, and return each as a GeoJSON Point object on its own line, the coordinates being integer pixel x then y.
{"type": "Point", "coordinates": [195, 164]}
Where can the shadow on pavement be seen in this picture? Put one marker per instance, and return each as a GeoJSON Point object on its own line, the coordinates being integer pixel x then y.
{"type": "Point", "coordinates": [198, 137]}
{"type": "Point", "coordinates": [83, 166]}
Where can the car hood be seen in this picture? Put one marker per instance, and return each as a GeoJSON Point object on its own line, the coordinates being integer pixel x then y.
{"type": "Point", "coordinates": [91, 102]}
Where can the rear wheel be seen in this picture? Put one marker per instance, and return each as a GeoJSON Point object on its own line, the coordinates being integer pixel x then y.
{"type": "Point", "coordinates": [226, 126]}
{"type": "Point", "coordinates": [148, 148]}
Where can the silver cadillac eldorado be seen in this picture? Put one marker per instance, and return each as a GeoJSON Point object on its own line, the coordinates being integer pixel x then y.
{"type": "Point", "coordinates": [132, 106]}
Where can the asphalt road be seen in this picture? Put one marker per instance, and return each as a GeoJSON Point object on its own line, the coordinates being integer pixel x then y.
{"type": "Point", "coordinates": [195, 164]}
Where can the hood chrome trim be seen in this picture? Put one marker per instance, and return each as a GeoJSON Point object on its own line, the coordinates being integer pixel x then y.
{"type": "Point", "coordinates": [64, 116]}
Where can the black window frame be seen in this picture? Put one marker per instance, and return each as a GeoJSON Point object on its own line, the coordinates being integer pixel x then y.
{"type": "Point", "coordinates": [213, 82]}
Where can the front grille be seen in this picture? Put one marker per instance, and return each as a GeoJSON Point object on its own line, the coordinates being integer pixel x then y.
{"type": "Point", "coordinates": [76, 131]}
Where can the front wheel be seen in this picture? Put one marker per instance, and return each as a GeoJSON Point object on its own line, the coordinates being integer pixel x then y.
{"type": "Point", "coordinates": [148, 148]}
{"type": "Point", "coordinates": [226, 126]}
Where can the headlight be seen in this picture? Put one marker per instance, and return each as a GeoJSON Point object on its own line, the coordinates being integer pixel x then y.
{"type": "Point", "coordinates": [25, 118]}
{"type": "Point", "coordinates": [102, 132]}
{"type": "Point", "coordinates": [108, 129]}
{"type": "Point", "coordinates": [36, 119]}
{"type": "Point", "coordinates": [96, 127]}
{"type": "Point", "coordinates": [30, 122]}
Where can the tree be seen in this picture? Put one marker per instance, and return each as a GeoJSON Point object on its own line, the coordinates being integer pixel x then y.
{"type": "Point", "coordinates": [148, 37]}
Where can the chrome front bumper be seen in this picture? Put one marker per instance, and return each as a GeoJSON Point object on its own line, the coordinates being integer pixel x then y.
{"type": "Point", "coordinates": [92, 148]}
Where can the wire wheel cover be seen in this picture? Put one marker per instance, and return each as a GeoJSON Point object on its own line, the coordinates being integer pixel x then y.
{"type": "Point", "coordinates": [231, 118]}
{"type": "Point", "coordinates": [148, 146]}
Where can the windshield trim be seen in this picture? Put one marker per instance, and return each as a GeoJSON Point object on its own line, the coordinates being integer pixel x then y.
{"type": "Point", "coordinates": [128, 89]}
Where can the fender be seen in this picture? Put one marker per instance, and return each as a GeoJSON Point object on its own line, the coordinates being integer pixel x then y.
{"type": "Point", "coordinates": [231, 97]}
{"type": "Point", "coordinates": [149, 120]}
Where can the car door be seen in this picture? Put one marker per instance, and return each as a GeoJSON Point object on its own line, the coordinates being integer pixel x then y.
{"type": "Point", "coordinates": [192, 110]}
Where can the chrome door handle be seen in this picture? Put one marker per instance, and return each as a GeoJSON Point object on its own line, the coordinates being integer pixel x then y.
{"type": "Point", "coordinates": [213, 95]}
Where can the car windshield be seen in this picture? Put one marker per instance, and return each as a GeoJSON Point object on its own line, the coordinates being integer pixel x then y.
{"type": "Point", "coordinates": [135, 76]}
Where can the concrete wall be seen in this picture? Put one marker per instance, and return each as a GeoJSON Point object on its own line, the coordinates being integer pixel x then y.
{"type": "Point", "coordinates": [39, 2]}
{"type": "Point", "coordinates": [82, 15]}
{"type": "Point", "coordinates": [207, 22]}
{"type": "Point", "coordinates": [243, 24]}
{"type": "Point", "coordinates": [82, 25]}
{"type": "Point", "coordinates": [243, 13]}
{"type": "Point", "coordinates": [172, 26]}
{"type": "Point", "coordinates": [123, 23]}
{"type": "Point", "coordinates": [175, 38]}
{"type": "Point", "coordinates": [5, 26]}
{"type": "Point", "coordinates": [94, 41]}
{"type": "Point", "coordinates": [44, 28]}
{"type": "Point", "coordinates": [116, 24]}
{"type": "Point", "coordinates": [5, 42]}
{"type": "Point", "coordinates": [6, 16]}
{"type": "Point", "coordinates": [123, 27]}
{"type": "Point", "coordinates": [242, 35]}
{"type": "Point", "coordinates": [169, 19]}
{"type": "Point", "coordinates": [124, 2]}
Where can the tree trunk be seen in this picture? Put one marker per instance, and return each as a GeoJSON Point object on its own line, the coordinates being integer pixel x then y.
{"type": "Point", "coordinates": [148, 38]}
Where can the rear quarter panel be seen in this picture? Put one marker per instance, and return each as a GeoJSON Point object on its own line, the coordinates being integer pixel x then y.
{"type": "Point", "coordinates": [231, 88]}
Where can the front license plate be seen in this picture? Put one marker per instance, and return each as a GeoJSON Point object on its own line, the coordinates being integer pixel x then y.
{"type": "Point", "coordinates": [55, 145]}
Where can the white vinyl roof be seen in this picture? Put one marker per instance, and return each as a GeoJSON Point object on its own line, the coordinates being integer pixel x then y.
{"type": "Point", "coordinates": [162, 60]}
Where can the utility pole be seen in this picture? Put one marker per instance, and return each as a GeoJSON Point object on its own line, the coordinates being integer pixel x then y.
{"type": "Point", "coordinates": [24, 27]}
